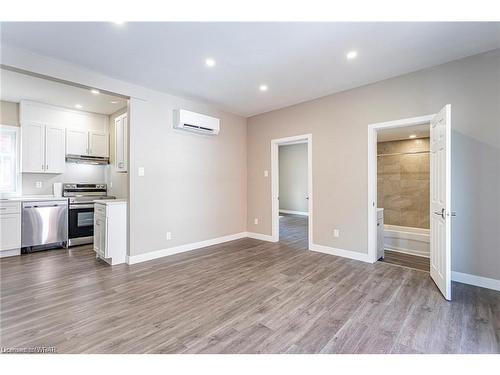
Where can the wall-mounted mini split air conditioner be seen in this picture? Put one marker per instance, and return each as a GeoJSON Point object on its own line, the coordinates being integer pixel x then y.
{"type": "Point", "coordinates": [196, 122]}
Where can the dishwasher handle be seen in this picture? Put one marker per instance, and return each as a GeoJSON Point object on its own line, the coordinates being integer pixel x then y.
{"type": "Point", "coordinates": [44, 204]}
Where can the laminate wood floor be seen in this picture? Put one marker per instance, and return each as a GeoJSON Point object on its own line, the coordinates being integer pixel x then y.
{"type": "Point", "coordinates": [406, 260]}
{"type": "Point", "coordinates": [244, 296]}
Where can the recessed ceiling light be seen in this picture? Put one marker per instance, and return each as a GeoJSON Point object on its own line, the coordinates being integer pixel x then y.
{"type": "Point", "coordinates": [351, 55]}
{"type": "Point", "coordinates": [79, 106]}
{"type": "Point", "coordinates": [412, 136]}
{"type": "Point", "coordinates": [114, 102]}
{"type": "Point", "coordinates": [95, 91]}
{"type": "Point", "coordinates": [210, 62]}
{"type": "Point", "coordinates": [119, 23]}
{"type": "Point", "coordinates": [263, 87]}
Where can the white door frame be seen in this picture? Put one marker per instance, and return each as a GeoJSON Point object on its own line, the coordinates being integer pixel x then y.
{"type": "Point", "coordinates": [275, 143]}
{"type": "Point", "coordinates": [372, 174]}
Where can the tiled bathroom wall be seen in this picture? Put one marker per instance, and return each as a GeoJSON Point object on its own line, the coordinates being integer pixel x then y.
{"type": "Point", "coordinates": [403, 182]}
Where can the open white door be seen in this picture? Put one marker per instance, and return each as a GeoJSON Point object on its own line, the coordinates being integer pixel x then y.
{"type": "Point", "coordinates": [440, 181]}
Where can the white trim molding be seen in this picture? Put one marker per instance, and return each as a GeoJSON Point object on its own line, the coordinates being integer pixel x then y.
{"type": "Point", "coordinates": [183, 248]}
{"type": "Point", "coordinates": [260, 236]}
{"type": "Point", "coordinates": [294, 212]}
{"type": "Point", "coordinates": [483, 282]}
{"type": "Point", "coordinates": [341, 252]}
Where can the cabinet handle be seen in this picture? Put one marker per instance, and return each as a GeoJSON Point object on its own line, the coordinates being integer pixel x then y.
{"type": "Point", "coordinates": [47, 167]}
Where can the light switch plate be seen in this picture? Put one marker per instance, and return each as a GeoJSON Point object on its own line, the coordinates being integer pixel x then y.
{"type": "Point", "coordinates": [266, 173]}
{"type": "Point", "coordinates": [169, 235]}
{"type": "Point", "coordinates": [256, 221]}
{"type": "Point", "coordinates": [140, 171]}
{"type": "Point", "coordinates": [336, 233]}
{"type": "Point", "coordinates": [38, 184]}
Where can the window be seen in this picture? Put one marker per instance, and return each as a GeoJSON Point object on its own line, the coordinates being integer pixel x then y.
{"type": "Point", "coordinates": [10, 176]}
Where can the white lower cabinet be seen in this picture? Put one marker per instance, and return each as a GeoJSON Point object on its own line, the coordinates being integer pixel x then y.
{"type": "Point", "coordinates": [10, 229]}
{"type": "Point", "coordinates": [110, 231]}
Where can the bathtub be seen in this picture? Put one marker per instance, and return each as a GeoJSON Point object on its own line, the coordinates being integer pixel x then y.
{"type": "Point", "coordinates": [407, 240]}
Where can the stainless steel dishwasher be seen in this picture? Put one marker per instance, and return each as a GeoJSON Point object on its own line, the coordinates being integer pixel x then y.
{"type": "Point", "coordinates": [44, 223]}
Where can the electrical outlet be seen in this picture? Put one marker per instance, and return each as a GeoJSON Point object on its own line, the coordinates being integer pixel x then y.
{"type": "Point", "coordinates": [336, 233]}
{"type": "Point", "coordinates": [256, 221]}
{"type": "Point", "coordinates": [169, 236]}
{"type": "Point", "coordinates": [38, 184]}
{"type": "Point", "coordinates": [140, 171]}
{"type": "Point", "coordinates": [266, 173]}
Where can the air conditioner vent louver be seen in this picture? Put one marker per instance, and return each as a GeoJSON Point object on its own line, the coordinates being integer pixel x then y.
{"type": "Point", "coordinates": [196, 122]}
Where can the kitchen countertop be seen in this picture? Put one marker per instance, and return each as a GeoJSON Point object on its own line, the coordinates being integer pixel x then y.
{"type": "Point", "coordinates": [32, 198]}
{"type": "Point", "coordinates": [108, 202]}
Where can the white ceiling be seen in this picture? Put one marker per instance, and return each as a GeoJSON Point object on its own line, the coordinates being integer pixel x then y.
{"type": "Point", "coordinates": [15, 87]}
{"type": "Point", "coordinates": [397, 134]}
{"type": "Point", "coordinates": [298, 61]}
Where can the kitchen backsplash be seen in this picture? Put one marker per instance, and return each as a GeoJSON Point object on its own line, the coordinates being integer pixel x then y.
{"type": "Point", "coordinates": [83, 173]}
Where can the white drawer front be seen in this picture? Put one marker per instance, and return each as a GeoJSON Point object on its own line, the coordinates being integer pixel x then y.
{"type": "Point", "coordinates": [10, 208]}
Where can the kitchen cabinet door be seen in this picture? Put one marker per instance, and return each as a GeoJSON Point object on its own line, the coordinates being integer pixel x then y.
{"type": "Point", "coordinates": [98, 144]}
{"type": "Point", "coordinates": [33, 149]}
{"type": "Point", "coordinates": [77, 142]}
{"type": "Point", "coordinates": [100, 236]}
{"type": "Point", "coordinates": [55, 150]}
{"type": "Point", "coordinates": [121, 143]}
{"type": "Point", "coordinates": [10, 231]}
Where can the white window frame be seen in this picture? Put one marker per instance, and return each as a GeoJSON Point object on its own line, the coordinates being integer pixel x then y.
{"type": "Point", "coordinates": [18, 191]}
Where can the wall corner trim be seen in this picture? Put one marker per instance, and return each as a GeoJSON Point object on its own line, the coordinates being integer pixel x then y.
{"type": "Point", "coordinates": [341, 252]}
{"type": "Point", "coordinates": [133, 259]}
{"type": "Point", "coordinates": [483, 282]}
{"type": "Point", "coordinates": [260, 236]}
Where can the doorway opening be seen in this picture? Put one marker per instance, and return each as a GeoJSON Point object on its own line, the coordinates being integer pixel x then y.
{"type": "Point", "coordinates": [403, 196]}
{"type": "Point", "coordinates": [291, 173]}
{"type": "Point", "coordinates": [409, 200]}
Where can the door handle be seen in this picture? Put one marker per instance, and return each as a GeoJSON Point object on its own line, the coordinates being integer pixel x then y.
{"type": "Point", "coordinates": [440, 213]}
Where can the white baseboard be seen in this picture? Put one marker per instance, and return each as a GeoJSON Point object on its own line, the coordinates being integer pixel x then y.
{"type": "Point", "coordinates": [260, 236]}
{"type": "Point", "coordinates": [10, 253]}
{"type": "Point", "coordinates": [341, 252]}
{"type": "Point", "coordinates": [182, 248]}
{"type": "Point", "coordinates": [294, 212]}
{"type": "Point", "coordinates": [483, 282]}
{"type": "Point", "coordinates": [410, 252]}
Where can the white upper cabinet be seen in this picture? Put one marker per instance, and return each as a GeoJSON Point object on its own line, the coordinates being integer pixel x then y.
{"type": "Point", "coordinates": [98, 144]}
{"type": "Point", "coordinates": [83, 134]}
{"type": "Point", "coordinates": [121, 143]}
{"type": "Point", "coordinates": [77, 142]}
{"type": "Point", "coordinates": [33, 147]}
{"type": "Point", "coordinates": [55, 150]}
{"type": "Point", "coordinates": [88, 143]}
{"type": "Point", "coordinates": [43, 148]}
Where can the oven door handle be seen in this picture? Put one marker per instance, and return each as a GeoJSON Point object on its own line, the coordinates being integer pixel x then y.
{"type": "Point", "coordinates": [77, 206]}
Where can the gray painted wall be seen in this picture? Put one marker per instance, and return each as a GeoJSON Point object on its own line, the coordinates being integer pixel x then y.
{"type": "Point", "coordinates": [293, 177]}
{"type": "Point", "coordinates": [9, 113]}
{"type": "Point", "coordinates": [338, 124]}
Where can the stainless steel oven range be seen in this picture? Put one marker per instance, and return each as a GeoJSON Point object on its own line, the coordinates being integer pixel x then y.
{"type": "Point", "coordinates": [81, 210]}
